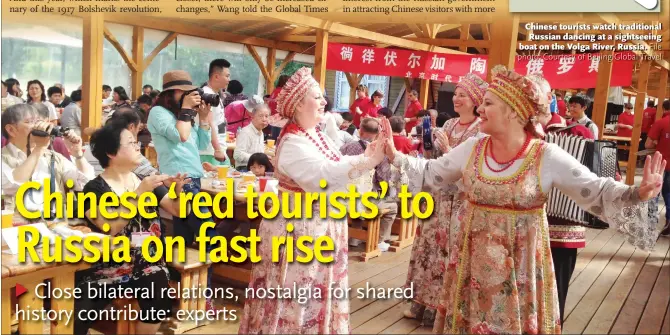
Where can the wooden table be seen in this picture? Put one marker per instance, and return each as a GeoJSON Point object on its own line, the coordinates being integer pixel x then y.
{"type": "Point", "coordinates": [646, 152]}
{"type": "Point", "coordinates": [238, 272]}
{"type": "Point", "coordinates": [622, 147]}
{"type": "Point", "coordinates": [152, 156]}
{"type": "Point", "coordinates": [369, 233]}
{"type": "Point", "coordinates": [29, 275]}
{"type": "Point", "coordinates": [616, 138]}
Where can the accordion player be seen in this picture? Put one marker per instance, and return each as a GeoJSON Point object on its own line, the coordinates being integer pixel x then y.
{"type": "Point", "coordinates": [601, 158]}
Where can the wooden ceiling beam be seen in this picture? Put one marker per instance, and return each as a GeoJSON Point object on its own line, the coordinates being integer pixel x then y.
{"type": "Point", "coordinates": [465, 35]}
{"type": "Point", "coordinates": [442, 42]}
{"type": "Point", "coordinates": [126, 57]}
{"type": "Point", "coordinates": [199, 31]}
{"type": "Point", "coordinates": [418, 32]}
{"type": "Point", "coordinates": [341, 29]}
{"type": "Point", "coordinates": [545, 18]}
{"type": "Point", "coordinates": [162, 45]}
{"type": "Point", "coordinates": [250, 27]}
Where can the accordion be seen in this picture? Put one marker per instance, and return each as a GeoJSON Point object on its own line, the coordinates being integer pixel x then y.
{"type": "Point", "coordinates": [599, 156]}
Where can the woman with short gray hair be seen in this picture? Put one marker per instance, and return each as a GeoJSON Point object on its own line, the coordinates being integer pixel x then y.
{"type": "Point", "coordinates": [27, 157]}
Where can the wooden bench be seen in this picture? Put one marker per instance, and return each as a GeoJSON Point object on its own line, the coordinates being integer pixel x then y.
{"type": "Point", "coordinates": [125, 327]}
{"type": "Point", "coordinates": [406, 231]}
{"type": "Point", "coordinates": [193, 275]}
{"type": "Point", "coordinates": [369, 233]}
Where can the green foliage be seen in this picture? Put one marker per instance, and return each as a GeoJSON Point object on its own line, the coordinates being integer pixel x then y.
{"type": "Point", "coordinates": [291, 68]}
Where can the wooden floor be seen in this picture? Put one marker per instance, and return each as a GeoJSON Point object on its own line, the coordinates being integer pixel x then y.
{"type": "Point", "coordinates": [615, 289]}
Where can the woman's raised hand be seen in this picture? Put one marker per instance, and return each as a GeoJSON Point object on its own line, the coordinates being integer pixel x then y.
{"type": "Point", "coordinates": [375, 152]}
{"type": "Point", "coordinates": [652, 179]}
{"type": "Point", "coordinates": [442, 140]}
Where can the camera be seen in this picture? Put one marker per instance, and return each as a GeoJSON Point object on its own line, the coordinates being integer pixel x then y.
{"type": "Point", "coordinates": [211, 99]}
{"type": "Point", "coordinates": [55, 131]}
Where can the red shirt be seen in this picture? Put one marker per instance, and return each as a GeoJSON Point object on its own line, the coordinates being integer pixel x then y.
{"type": "Point", "coordinates": [360, 103]}
{"type": "Point", "coordinates": [660, 131]}
{"type": "Point", "coordinates": [272, 103]}
{"type": "Point", "coordinates": [558, 122]}
{"type": "Point", "coordinates": [402, 144]}
{"type": "Point", "coordinates": [627, 119]}
{"type": "Point", "coordinates": [648, 117]}
{"type": "Point", "coordinates": [562, 109]}
{"type": "Point", "coordinates": [412, 110]}
{"type": "Point", "coordinates": [369, 110]}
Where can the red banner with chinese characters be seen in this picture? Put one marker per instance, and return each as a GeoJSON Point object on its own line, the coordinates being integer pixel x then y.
{"type": "Point", "coordinates": [562, 72]}
{"type": "Point", "coordinates": [578, 71]}
{"type": "Point", "coordinates": [403, 63]}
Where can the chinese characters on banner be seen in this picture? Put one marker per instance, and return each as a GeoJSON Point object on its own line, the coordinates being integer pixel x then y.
{"type": "Point", "coordinates": [578, 71]}
{"type": "Point", "coordinates": [403, 63]}
{"type": "Point", "coordinates": [568, 71]}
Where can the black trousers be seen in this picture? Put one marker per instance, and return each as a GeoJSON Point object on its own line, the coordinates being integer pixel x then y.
{"type": "Point", "coordinates": [564, 264]}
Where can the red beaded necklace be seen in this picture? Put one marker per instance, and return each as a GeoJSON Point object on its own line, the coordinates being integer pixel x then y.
{"type": "Point", "coordinates": [323, 146]}
{"type": "Point", "coordinates": [508, 164]}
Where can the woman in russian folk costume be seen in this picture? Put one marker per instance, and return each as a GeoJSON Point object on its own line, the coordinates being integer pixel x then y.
{"type": "Point", "coordinates": [304, 157]}
{"type": "Point", "coordinates": [500, 273]}
{"type": "Point", "coordinates": [431, 248]}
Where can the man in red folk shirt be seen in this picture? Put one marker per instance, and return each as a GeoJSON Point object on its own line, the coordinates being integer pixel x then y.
{"type": "Point", "coordinates": [625, 125]}
{"type": "Point", "coordinates": [412, 110]}
{"type": "Point", "coordinates": [659, 138]}
{"type": "Point", "coordinates": [648, 118]}
{"type": "Point", "coordinates": [560, 105]}
{"type": "Point", "coordinates": [361, 101]}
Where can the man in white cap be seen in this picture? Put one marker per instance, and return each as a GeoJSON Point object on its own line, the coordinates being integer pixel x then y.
{"type": "Point", "coordinates": [238, 113]}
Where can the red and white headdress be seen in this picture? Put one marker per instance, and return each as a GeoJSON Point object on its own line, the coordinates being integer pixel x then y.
{"type": "Point", "coordinates": [474, 86]}
{"type": "Point", "coordinates": [519, 92]}
{"type": "Point", "coordinates": [294, 91]}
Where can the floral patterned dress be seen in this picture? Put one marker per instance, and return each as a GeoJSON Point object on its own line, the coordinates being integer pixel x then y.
{"type": "Point", "coordinates": [115, 273]}
{"type": "Point", "coordinates": [430, 250]}
{"type": "Point", "coordinates": [500, 272]}
{"type": "Point", "coordinates": [301, 166]}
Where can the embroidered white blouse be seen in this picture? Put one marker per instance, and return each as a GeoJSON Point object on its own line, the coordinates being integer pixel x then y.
{"type": "Point", "coordinates": [613, 202]}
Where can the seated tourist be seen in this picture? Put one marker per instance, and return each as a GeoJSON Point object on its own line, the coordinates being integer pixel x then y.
{"type": "Point", "coordinates": [368, 131]}
{"type": "Point", "coordinates": [422, 113]}
{"type": "Point", "coordinates": [27, 157]}
{"type": "Point", "coordinates": [57, 143]}
{"type": "Point", "coordinates": [259, 164]}
{"type": "Point", "coordinates": [344, 136]}
{"type": "Point", "coordinates": [234, 89]}
{"type": "Point", "coordinates": [238, 113]}
{"type": "Point", "coordinates": [118, 151]}
{"type": "Point", "coordinates": [71, 117]}
{"type": "Point", "coordinates": [250, 139]}
{"type": "Point", "coordinates": [37, 95]}
{"type": "Point", "coordinates": [55, 96]}
{"type": "Point", "coordinates": [385, 112]}
{"type": "Point", "coordinates": [401, 142]}
{"type": "Point", "coordinates": [64, 99]}
{"type": "Point", "coordinates": [130, 119]}
{"type": "Point", "coordinates": [7, 98]}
